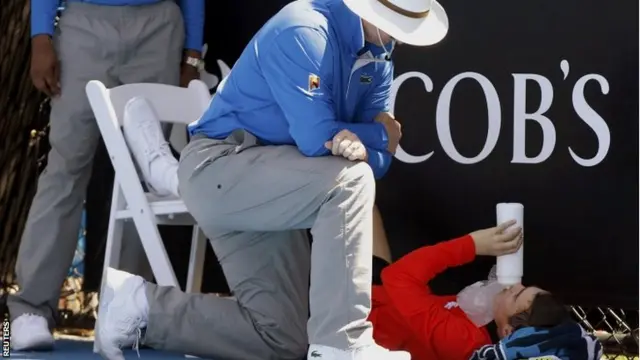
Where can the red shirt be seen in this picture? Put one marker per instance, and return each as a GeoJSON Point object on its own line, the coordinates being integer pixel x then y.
{"type": "Point", "coordinates": [407, 316]}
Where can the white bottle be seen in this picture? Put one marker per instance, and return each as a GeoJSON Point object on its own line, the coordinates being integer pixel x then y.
{"type": "Point", "coordinates": [509, 267]}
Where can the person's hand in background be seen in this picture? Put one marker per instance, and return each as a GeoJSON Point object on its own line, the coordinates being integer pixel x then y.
{"type": "Point", "coordinates": [347, 145]}
{"type": "Point", "coordinates": [189, 72]}
{"type": "Point", "coordinates": [393, 128]}
{"type": "Point", "coordinates": [45, 67]}
{"type": "Point", "coordinates": [499, 240]}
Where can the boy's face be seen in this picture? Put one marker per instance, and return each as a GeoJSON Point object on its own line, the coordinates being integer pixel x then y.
{"type": "Point", "coordinates": [511, 301]}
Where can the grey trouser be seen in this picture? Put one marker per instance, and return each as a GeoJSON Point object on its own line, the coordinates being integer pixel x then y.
{"type": "Point", "coordinates": [254, 203]}
{"type": "Point", "coordinates": [116, 45]}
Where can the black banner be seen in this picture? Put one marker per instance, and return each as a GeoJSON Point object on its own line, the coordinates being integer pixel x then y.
{"type": "Point", "coordinates": [524, 101]}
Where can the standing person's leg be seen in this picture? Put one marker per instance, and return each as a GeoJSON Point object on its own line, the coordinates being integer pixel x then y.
{"type": "Point", "coordinates": [87, 50]}
{"type": "Point", "coordinates": [152, 39]}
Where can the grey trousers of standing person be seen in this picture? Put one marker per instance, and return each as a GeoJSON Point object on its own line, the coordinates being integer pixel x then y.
{"type": "Point", "coordinates": [113, 44]}
{"type": "Point", "coordinates": [254, 203]}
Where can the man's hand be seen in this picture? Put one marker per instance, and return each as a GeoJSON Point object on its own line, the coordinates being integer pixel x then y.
{"type": "Point", "coordinates": [394, 130]}
{"type": "Point", "coordinates": [498, 240]}
{"type": "Point", "coordinates": [45, 68]}
{"type": "Point", "coordinates": [348, 145]}
{"type": "Point", "coordinates": [189, 72]}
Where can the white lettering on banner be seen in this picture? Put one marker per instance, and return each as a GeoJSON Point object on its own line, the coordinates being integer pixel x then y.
{"type": "Point", "coordinates": [520, 117]}
{"type": "Point", "coordinates": [591, 118]}
{"type": "Point", "coordinates": [442, 118]}
{"type": "Point", "coordinates": [428, 86]}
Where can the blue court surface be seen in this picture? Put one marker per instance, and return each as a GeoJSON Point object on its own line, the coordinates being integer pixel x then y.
{"type": "Point", "coordinates": [82, 349]}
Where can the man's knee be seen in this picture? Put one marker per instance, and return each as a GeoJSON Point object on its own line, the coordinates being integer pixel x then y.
{"type": "Point", "coordinates": [73, 144]}
{"type": "Point", "coordinates": [357, 178]}
{"type": "Point", "coordinates": [70, 162]}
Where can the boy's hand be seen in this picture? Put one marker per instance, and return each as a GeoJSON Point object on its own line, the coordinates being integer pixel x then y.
{"type": "Point", "coordinates": [499, 240]}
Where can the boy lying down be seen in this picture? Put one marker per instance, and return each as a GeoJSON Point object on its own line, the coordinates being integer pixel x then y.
{"type": "Point", "coordinates": [511, 323]}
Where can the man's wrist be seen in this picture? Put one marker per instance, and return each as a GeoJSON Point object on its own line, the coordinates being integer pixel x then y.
{"type": "Point", "coordinates": [193, 59]}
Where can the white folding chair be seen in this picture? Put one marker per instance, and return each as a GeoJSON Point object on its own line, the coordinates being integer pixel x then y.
{"type": "Point", "coordinates": [130, 202]}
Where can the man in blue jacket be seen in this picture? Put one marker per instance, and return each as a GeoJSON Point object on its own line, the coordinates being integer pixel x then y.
{"type": "Point", "coordinates": [116, 42]}
{"type": "Point", "coordinates": [292, 140]}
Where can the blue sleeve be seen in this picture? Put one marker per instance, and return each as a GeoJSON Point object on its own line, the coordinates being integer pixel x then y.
{"type": "Point", "coordinates": [43, 15]}
{"type": "Point", "coordinates": [193, 14]}
{"type": "Point", "coordinates": [377, 100]}
{"type": "Point", "coordinates": [379, 161]}
{"type": "Point", "coordinates": [289, 64]}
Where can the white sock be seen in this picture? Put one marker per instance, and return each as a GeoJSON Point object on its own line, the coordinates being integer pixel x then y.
{"type": "Point", "coordinates": [165, 174]}
{"type": "Point", "coordinates": [173, 183]}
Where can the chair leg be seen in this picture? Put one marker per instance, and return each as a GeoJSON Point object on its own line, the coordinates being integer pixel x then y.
{"type": "Point", "coordinates": [154, 248]}
{"type": "Point", "coordinates": [113, 246]}
{"type": "Point", "coordinates": [196, 260]}
{"type": "Point", "coordinates": [111, 259]}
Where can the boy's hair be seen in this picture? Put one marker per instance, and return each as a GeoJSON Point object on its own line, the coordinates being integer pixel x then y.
{"type": "Point", "coordinates": [546, 311]}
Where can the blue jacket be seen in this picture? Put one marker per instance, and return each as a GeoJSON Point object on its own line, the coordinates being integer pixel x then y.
{"type": "Point", "coordinates": [305, 76]}
{"type": "Point", "coordinates": [564, 342]}
{"type": "Point", "coordinates": [43, 14]}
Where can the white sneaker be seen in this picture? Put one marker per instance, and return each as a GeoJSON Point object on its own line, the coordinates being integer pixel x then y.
{"type": "Point", "coordinates": [122, 314]}
{"type": "Point", "coordinates": [30, 332]}
{"type": "Point", "coordinates": [143, 133]}
{"type": "Point", "coordinates": [372, 352]}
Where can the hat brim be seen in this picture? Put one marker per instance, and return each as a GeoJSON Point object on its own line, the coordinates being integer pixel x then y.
{"type": "Point", "coordinates": [419, 32]}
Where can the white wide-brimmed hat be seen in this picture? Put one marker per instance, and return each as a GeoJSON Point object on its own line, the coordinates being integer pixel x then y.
{"type": "Point", "coordinates": [414, 22]}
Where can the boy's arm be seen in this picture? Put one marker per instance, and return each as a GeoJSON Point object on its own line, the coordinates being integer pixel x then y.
{"type": "Point", "coordinates": [450, 336]}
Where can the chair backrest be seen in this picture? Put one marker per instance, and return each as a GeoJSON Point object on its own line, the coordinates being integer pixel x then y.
{"type": "Point", "coordinates": [172, 104]}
